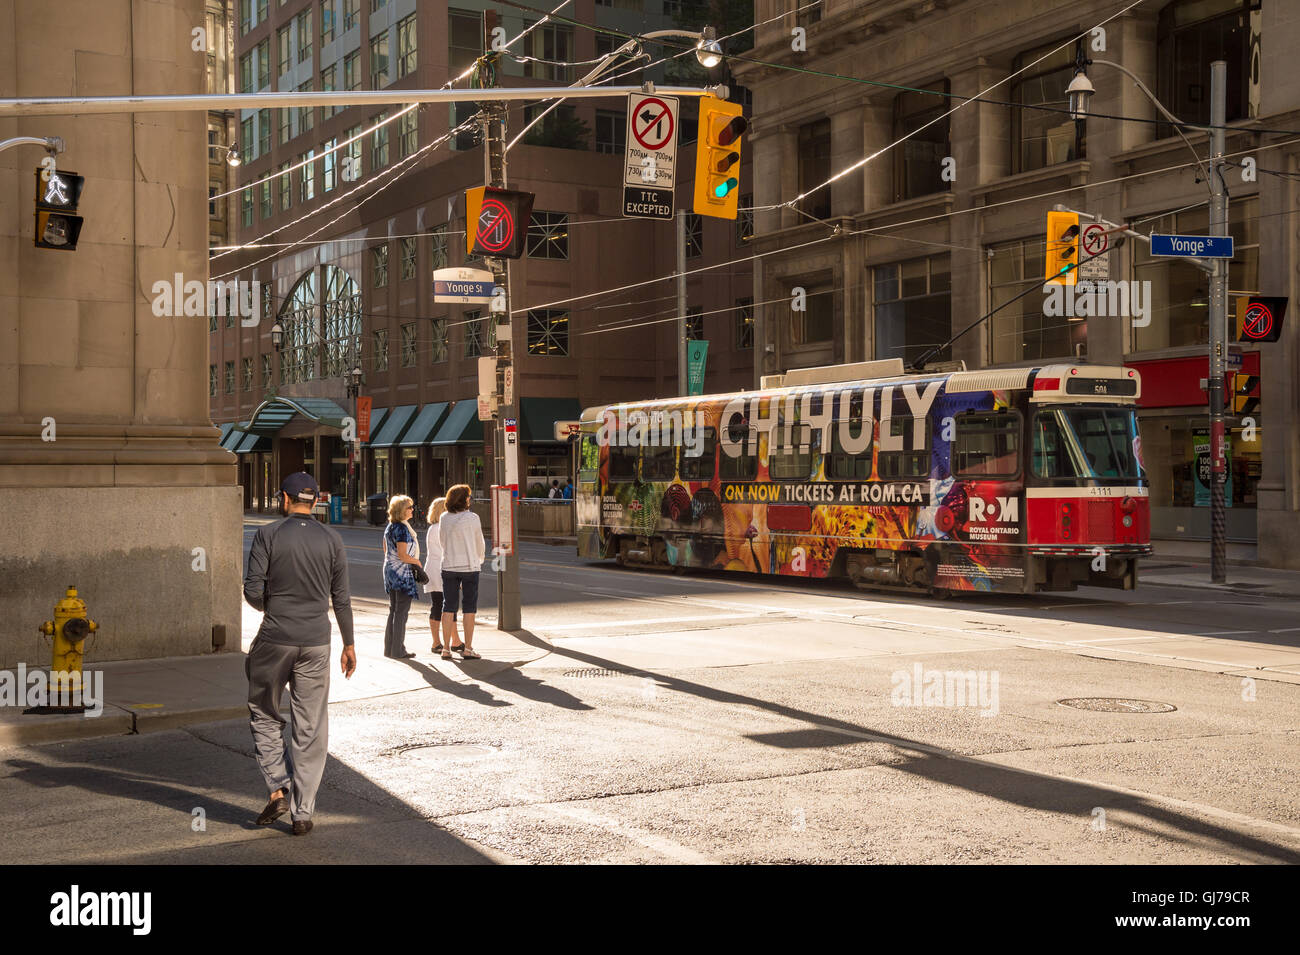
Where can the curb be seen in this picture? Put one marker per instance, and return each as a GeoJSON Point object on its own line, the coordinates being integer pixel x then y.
{"type": "Point", "coordinates": [57, 729]}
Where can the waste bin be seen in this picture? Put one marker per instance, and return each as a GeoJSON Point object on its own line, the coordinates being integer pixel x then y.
{"type": "Point", "coordinates": [377, 509]}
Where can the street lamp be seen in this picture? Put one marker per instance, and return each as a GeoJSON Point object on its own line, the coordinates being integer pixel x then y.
{"type": "Point", "coordinates": [354, 392]}
{"type": "Point", "coordinates": [277, 335]}
{"type": "Point", "coordinates": [232, 154]}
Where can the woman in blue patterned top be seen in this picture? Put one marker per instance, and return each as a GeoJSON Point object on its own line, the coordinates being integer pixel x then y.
{"type": "Point", "coordinates": [401, 558]}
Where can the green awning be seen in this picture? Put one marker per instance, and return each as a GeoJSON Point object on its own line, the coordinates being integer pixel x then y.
{"type": "Point", "coordinates": [252, 442]}
{"type": "Point", "coordinates": [462, 425]}
{"type": "Point", "coordinates": [394, 427]}
{"type": "Point", "coordinates": [274, 413]}
{"type": "Point", "coordinates": [225, 433]}
{"type": "Point", "coordinates": [376, 420]}
{"type": "Point", "coordinates": [537, 417]}
{"type": "Point", "coordinates": [424, 426]}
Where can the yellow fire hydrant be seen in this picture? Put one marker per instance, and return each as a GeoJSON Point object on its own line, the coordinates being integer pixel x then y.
{"type": "Point", "coordinates": [69, 628]}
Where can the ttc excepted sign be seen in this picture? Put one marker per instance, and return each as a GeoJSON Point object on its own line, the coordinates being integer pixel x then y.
{"type": "Point", "coordinates": [650, 163]}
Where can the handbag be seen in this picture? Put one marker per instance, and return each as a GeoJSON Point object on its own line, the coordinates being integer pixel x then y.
{"type": "Point", "coordinates": [420, 576]}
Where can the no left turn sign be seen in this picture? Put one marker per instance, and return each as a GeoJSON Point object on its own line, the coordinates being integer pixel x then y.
{"type": "Point", "coordinates": [651, 158]}
{"type": "Point", "coordinates": [1095, 239]}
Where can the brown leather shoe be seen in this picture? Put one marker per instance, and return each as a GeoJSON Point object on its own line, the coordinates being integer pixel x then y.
{"type": "Point", "coordinates": [301, 827]}
{"type": "Point", "coordinates": [273, 811]}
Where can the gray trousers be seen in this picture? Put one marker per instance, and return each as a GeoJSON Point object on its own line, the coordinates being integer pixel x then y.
{"type": "Point", "coordinates": [299, 766]}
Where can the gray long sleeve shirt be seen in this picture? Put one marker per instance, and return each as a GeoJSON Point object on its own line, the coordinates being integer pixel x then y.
{"type": "Point", "coordinates": [296, 568]}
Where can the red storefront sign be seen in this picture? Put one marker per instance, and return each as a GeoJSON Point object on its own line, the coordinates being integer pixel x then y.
{"type": "Point", "coordinates": [1176, 382]}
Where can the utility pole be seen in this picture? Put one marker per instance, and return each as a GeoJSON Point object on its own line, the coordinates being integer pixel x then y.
{"type": "Point", "coordinates": [494, 175]}
{"type": "Point", "coordinates": [681, 302]}
{"type": "Point", "coordinates": [1218, 323]}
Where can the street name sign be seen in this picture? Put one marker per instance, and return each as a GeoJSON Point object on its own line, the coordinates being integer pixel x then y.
{"type": "Point", "coordinates": [463, 286]}
{"type": "Point", "coordinates": [1192, 246]}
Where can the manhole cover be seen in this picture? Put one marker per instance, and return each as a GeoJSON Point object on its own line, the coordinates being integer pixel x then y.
{"type": "Point", "coordinates": [595, 671]}
{"type": "Point", "coordinates": [444, 752]}
{"type": "Point", "coordinates": [1106, 704]}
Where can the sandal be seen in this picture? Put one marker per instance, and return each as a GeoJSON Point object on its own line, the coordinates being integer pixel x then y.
{"type": "Point", "coordinates": [458, 648]}
{"type": "Point", "coordinates": [470, 655]}
{"type": "Point", "coordinates": [446, 654]}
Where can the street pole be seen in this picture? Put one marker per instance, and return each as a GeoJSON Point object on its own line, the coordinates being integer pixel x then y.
{"type": "Point", "coordinates": [494, 174]}
{"type": "Point", "coordinates": [681, 302]}
{"type": "Point", "coordinates": [1218, 322]}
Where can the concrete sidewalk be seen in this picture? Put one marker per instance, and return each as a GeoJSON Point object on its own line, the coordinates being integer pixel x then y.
{"type": "Point", "coordinates": [141, 696]}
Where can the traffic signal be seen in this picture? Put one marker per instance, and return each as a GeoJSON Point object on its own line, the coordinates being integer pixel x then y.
{"type": "Point", "coordinates": [57, 195]}
{"type": "Point", "coordinates": [717, 158]}
{"type": "Point", "coordinates": [1062, 248]}
{"type": "Point", "coordinates": [1245, 393]}
{"type": "Point", "coordinates": [497, 222]}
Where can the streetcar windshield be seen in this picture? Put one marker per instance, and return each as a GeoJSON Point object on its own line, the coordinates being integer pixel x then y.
{"type": "Point", "coordinates": [1087, 442]}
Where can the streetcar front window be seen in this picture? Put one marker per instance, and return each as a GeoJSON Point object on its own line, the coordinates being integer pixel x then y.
{"type": "Point", "coordinates": [1087, 443]}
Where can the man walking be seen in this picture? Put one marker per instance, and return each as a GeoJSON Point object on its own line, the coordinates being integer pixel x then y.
{"type": "Point", "coordinates": [296, 568]}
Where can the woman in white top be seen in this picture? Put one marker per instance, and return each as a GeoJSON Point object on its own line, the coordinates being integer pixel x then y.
{"type": "Point", "coordinates": [461, 534]}
{"type": "Point", "coordinates": [433, 567]}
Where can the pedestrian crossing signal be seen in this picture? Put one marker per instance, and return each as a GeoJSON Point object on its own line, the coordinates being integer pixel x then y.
{"type": "Point", "coordinates": [1245, 394]}
{"type": "Point", "coordinates": [57, 195]}
{"type": "Point", "coordinates": [1062, 259]}
{"type": "Point", "coordinates": [717, 158]}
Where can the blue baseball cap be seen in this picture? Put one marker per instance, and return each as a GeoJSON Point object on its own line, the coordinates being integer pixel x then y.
{"type": "Point", "coordinates": [301, 487]}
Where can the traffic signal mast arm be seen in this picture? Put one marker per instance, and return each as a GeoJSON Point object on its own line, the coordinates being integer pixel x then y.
{"type": "Point", "coordinates": [1205, 265]}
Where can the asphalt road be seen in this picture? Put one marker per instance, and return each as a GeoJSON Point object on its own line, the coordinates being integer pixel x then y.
{"type": "Point", "coordinates": [717, 718]}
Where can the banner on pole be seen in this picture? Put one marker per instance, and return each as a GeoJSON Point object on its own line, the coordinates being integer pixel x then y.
{"type": "Point", "coordinates": [697, 355]}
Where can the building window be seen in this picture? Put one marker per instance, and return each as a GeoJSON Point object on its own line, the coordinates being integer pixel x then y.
{"type": "Point", "coordinates": [406, 46]}
{"type": "Point", "coordinates": [308, 175]}
{"type": "Point", "coordinates": [329, 168]}
{"type": "Point", "coordinates": [745, 220]}
{"type": "Point", "coordinates": [266, 302]}
{"type": "Point", "coordinates": [351, 12]}
{"type": "Point", "coordinates": [918, 160]}
{"type": "Point", "coordinates": [815, 166]}
{"type": "Point", "coordinates": [467, 137]}
{"type": "Point", "coordinates": [329, 84]}
{"type": "Point", "coordinates": [246, 374]}
{"type": "Point", "coordinates": [552, 41]}
{"type": "Point", "coordinates": [212, 322]}
{"type": "Point", "coordinates": [351, 153]}
{"type": "Point", "coordinates": [212, 379]}
{"type": "Point", "coordinates": [246, 208]}
{"type": "Point", "coordinates": [548, 332]}
{"type": "Point", "coordinates": [379, 145]}
{"type": "Point", "coordinates": [379, 349]}
{"type": "Point", "coordinates": [264, 64]}
{"type": "Point", "coordinates": [264, 199]}
{"type": "Point", "coordinates": [1190, 35]}
{"type": "Point", "coordinates": [464, 39]}
{"type": "Point", "coordinates": [408, 345]}
{"type": "Point", "coordinates": [286, 186]}
{"type": "Point", "coordinates": [548, 235]}
{"type": "Point", "coordinates": [282, 50]}
{"type": "Point", "coordinates": [377, 5]}
{"type": "Point", "coordinates": [815, 324]}
{"type": "Point", "coordinates": [342, 318]}
{"type": "Point", "coordinates": [611, 132]}
{"type": "Point", "coordinates": [306, 114]}
{"type": "Point", "coordinates": [214, 190]}
{"type": "Point", "coordinates": [408, 258]}
{"type": "Point", "coordinates": [379, 61]}
{"type": "Point", "coordinates": [1178, 306]}
{"type": "Point", "coordinates": [245, 16]}
{"type": "Point", "coordinates": [326, 21]}
{"type": "Point", "coordinates": [744, 323]}
{"type": "Point", "coordinates": [246, 73]}
{"type": "Point", "coordinates": [407, 134]}
{"type": "Point", "coordinates": [230, 378]}
{"type": "Point", "coordinates": [438, 247]}
{"type": "Point", "coordinates": [247, 140]}
{"type": "Point", "coordinates": [694, 235]}
{"type": "Point", "coordinates": [1042, 138]}
{"type": "Point", "coordinates": [473, 334]}
{"type": "Point", "coordinates": [286, 130]}
{"type": "Point", "coordinates": [438, 348]}
{"type": "Point", "coordinates": [266, 372]}
{"type": "Point", "coordinates": [298, 317]}
{"type": "Point", "coordinates": [352, 71]}
{"type": "Point", "coordinates": [379, 262]}
{"type": "Point", "coordinates": [913, 306]}
{"type": "Point", "coordinates": [1021, 332]}
{"type": "Point", "coordinates": [695, 323]}
{"type": "Point", "coordinates": [263, 131]}
{"type": "Point", "coordinates": [304, 35]}
{"type": "Point", "coordinates": [560, 128]}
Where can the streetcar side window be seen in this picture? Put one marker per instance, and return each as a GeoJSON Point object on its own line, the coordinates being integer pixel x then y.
{"type": "Point", "coordinates": [700, 467]}
{"type": "Point", "coordinates": [905, 465]}
{"type": "Point", "coordinates": [622, 463]}
{"type": "Point", "coordinates": [987, 445]}
{"type": "Point", "coordinates": [588, 458]}
{"type": "Point", "coordinates": [658, 463]}
{"type": "Point", "coordinates": [791, 464]}
{"type": "Point", "coordinates": [744, 466]}
{"type": "Point", "coordinates": [847, 467]}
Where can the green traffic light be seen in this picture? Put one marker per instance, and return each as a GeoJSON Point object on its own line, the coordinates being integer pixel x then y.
{"type": "Point", "coordinates": [722, 189]}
